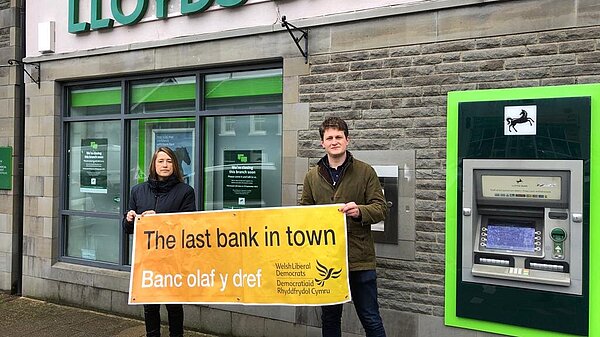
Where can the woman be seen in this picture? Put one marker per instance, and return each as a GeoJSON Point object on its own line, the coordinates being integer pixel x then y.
{"type": "Point", "coordinates": [164, 192]}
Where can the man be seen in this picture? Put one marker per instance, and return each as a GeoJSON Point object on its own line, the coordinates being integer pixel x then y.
{"type": "Point", "coordinates": [340, 178]}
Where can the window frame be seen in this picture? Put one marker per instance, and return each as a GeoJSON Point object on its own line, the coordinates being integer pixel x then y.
{"type": "Point", "coordinates": [125, 118]}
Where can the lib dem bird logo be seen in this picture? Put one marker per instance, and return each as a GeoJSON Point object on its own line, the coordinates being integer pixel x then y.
{"type": "Point", "coordinates": [326, 273]}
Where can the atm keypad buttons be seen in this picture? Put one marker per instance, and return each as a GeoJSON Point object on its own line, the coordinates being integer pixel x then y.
{"type": "Point", "coordinates": [483, 237]}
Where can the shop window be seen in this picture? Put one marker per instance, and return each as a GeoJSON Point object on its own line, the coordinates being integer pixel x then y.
{"type": "Point", "coordinates": [94, 187]}
{"type": "Point", "coordinates": [228, 142]}
{"type": "Point", "coordinates": [90, 100]}
{"type": "Point", "coordinates": [93, 238]}
{"type": "Point", "coordinates": [243, 171]}
{"type": "Point", "coordinates": [163, 95]}
{"type": "Point", "coordinates": [94, 166]}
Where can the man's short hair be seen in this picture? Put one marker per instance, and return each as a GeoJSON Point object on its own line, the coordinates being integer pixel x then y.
{"type": "Point", "coordinates": [333, 123]}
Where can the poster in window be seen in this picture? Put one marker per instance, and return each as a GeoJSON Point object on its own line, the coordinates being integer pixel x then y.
{"type": "Point", "coordinates": [181, 141]}
{"type": "Point", "coordinates": [93, 165]}
{"type": "Point", "coordinates": [242, 187]}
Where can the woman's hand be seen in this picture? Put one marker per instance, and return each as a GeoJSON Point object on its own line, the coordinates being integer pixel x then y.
{"type": "Point", "coordinates": [131, 216]}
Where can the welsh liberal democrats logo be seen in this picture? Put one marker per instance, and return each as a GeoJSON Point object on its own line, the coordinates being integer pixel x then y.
{"type": "Point", "coordinates": [326, 273]}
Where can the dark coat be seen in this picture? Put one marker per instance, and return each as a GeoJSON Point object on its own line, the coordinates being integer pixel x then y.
{"type": "Point", "coordinates": [168, 196]}
{"type": "Point", "coordinates": [359, 183]}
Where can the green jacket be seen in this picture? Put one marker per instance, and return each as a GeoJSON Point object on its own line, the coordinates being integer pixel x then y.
{"type": "Point", "coordinates": [359, 183]}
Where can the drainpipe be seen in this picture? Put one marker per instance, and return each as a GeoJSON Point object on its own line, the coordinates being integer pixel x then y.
{"type": "Point", "coordinates": [18, 205]}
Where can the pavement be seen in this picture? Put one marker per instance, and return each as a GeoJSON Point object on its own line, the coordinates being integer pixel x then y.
{"type": "Point", "coordinates": [25, 317]}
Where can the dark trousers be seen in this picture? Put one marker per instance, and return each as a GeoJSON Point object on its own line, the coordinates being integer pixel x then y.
{"type": "Point", "coordinates": [152, 319]}
{"type": "Point", "coordinates": [363, 287]}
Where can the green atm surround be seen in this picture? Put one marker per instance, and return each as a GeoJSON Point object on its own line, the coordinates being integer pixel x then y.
{"type": "Point", "coordinates": [452, 273]}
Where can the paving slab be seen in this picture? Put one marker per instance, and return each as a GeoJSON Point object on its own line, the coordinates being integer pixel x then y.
{"type": "Point", "coordinates": [25, 317]}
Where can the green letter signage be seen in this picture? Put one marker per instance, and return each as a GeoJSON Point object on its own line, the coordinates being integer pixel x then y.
{"type": "Point", "coordinates": [5, 168]}
{"type": "Point", "coordinates": [74, 25]}
{"type": "Point", "coordinates": [97, 21]}
{"type": "Point", "coordinates": [191, 6]}
{"type": "Point", "coordinates": [133, 18]}
{"type": "Point", "coordinates": [162, 12]}
{"type": "Point", "coordinates": [162, 9]}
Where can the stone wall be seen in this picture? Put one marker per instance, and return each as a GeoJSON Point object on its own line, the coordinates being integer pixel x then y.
{"type": "Point", "coordinates": [395, 99]}
{"type": "Point", "coordinates": [10, 117]}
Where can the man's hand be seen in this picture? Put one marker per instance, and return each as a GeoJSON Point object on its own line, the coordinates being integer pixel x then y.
{"type": "Point", "coordinates": [351, 209]}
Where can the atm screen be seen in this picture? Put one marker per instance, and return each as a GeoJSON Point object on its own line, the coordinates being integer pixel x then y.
{"type": "Point", "coordinates": [510, 237]}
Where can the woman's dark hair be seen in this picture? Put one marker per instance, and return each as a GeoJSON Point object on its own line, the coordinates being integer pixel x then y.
{"type": "Point", "coordinates": [333, 123]}
{"type": "Point", "coordinates": [176, 168]}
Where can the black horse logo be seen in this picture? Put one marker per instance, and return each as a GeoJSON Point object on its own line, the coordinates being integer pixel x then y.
{"type": "Point", "coordinates": [511, 122]}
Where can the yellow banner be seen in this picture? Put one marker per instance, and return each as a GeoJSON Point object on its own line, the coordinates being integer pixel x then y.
{"type": "Point", "coordinates": [284, 256]}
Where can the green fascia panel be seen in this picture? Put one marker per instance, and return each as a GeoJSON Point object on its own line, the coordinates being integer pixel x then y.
{"type": "Point", "coordinates": [244, 87]}
{"type": "Point", "coordinates": [454, 98]}
{"type": "Point", "coordinates": [164, 93]}
{"type": "Point", "coordinates": [83, 98]}
{"type": "Point", "coordinates": [187, 91]}
{"type": "Point", "coordinates": [146, 94]}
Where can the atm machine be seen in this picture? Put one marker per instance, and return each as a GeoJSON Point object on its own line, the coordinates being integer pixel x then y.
{"type": "Point", "coordinates": [522, 224]}
{"type": "Point", "coordinates": [521, 210]}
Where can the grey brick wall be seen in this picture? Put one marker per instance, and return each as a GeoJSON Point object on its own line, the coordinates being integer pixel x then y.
{"type": "Point", "coordinates": [395, 98]}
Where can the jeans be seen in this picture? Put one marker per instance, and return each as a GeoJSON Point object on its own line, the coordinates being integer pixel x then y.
{"type": "Point", "coordinates": [363, 287]}
{"type": "Point", "coordinates": [152, 319]}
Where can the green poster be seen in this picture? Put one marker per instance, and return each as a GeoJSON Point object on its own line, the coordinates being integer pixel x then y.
{"type": "Point", "coordinates": [5, 168]}
{"type": "Point", "coordinates": [242, 179]}
{"type": "Point", "coordinates": [93, 165]}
